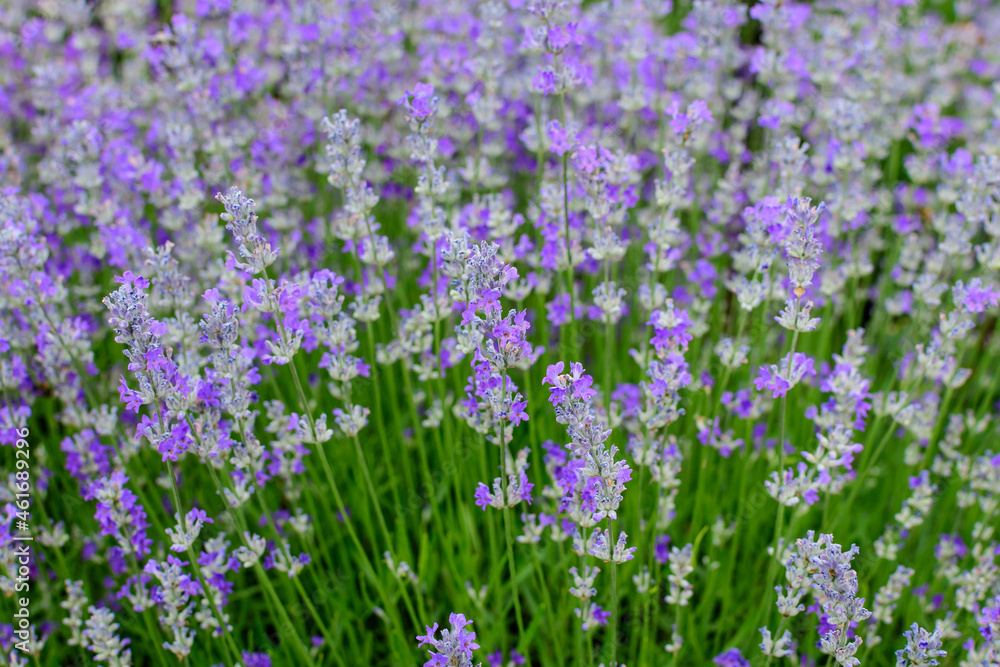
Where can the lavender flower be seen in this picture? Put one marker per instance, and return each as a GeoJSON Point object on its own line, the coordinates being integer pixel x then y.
{"type": "Point", "coordinates": [74, 603]}
{"type": "Point", "coordinates": [600, 479]}
{"type": "Point", "coordinates": [922, 648]}
{"type": "Point", "coordinates": [731, 658]}
{"type": "Point", "coordinates": [681, 567]}
{"type": "Point", "coordinates": [101, 637]}
{"type": "Point", "coordinates": [121, 516]}
{"type": "Point", "coordinates": [781, 647]}
{"type": "Point", "coordinates": [455, 646]}
{"type": "Point", "coordinates": [241, 220]}
{"type": "Point", "coordinates": [492, 397]}
{"type": "Point", "coordinates": [779, 380]}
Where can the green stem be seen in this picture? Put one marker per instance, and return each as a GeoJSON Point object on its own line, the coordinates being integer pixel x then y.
{"type": "Point", "coordinates": [550, 611]}
{"type": "Point", "coordinates": [197, 568]}
{"type": "Point", "coordinates": [779, 523]}
{"type": "Point", "coordinates": [613, 627]}
{"type": "Point", "coordinates": [373, 494]}
{"type": "Point", "coordinates": [316, 618]}
{"type": "Point", "coordinates": [506, 516]}
{"type": "Point", "coordinates": [151, 630]}
{"type": "Point", "coordinates": [674, 638]}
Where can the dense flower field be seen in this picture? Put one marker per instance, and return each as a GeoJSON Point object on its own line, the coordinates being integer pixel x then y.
{"type": "Point", "coordinates": [505, 332]}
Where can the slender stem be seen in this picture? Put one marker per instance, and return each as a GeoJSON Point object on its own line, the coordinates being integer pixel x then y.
{"type": "Point", "coordinates": [418, 428]}
{"type": "Point", "coordinates": [550, 611]}
{"type": "Point", "coordinates": [194, 561]}
{"type": "Point", "coordinates": [316, 618]}
{"type": "Point", "coordinates": [587, 641]}
{"type": "Point", "coordinates": [675, 638]}
{"type": "Point", "coordinates": [243, 531]}
{"type": "Point", "coordinates": [363, 555]}
{"type": "Point", "coordinates": [539, 151]}
{"type": "Point", "coordinates": [513, 573]}
{"type": "Point", "coordinates": [151, 630]}
{"type": "Point", "coordinates": [376, 385]}
{"type": "Point", "coordinates": [328, 471]}
{"type": "Point", "coordinates": [371, 491]}
{"type": "Point", "coordinates": [506, 513]}
{"type": "Point", "coordinates": [566, 231]}
{"type": "Point", "coordinates": [197, 568]}
{"type": "Point", "coordinates": [645, 628]}
{"type": "Point", "coordinates": [780, 520]}
{"type": "Point", "coordinates": [569, 244]}
{"type": "Point", "coordinates": [379, 417]}
{"type": "Point", "coordinates": [859, 481]}
{"type": "Point", "coordinates": [608, 366]}
{"type": "Point", "coordinates": [613, 627]}
{"type": "Point", "coordinates": [381, 519]}
{"type": "Point", "coordinates": [716, 398]}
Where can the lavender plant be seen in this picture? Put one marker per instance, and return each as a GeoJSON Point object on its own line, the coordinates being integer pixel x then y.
{"type": "Point", "coordinates": [285, 285]}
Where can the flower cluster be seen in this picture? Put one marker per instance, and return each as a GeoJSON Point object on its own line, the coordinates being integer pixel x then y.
{"type": "Point", "coordinates": [593, 479]}
{"type": "Point", "coordinates": [455, 646]}
{"type": "Point", "coordinates": [820, 567]}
